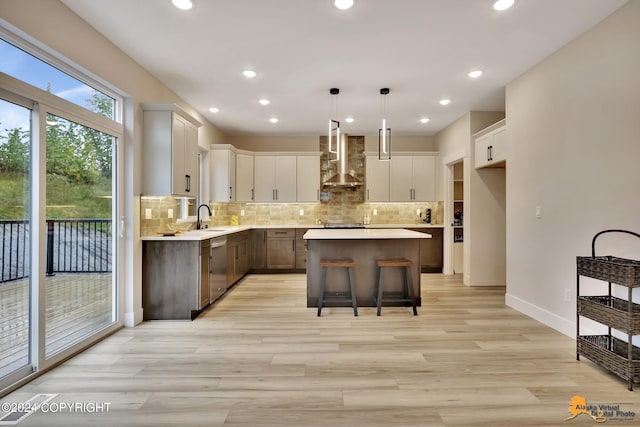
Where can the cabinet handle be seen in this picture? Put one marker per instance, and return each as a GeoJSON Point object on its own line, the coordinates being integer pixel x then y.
{"type": "Point", "coordinates": [368, 194]}
{"type": "Point", "coordinates": [253, 197]}
{"type": "Point", "coordinates": [276, 194]}
{"type": "Point", "coordinates": [273, 194]}
{"type": "Point", "coordinates": [230, 193]}
{"type": "Point", "coordinates": [293, 245]}
{"type": "Point", "coordinates": [317, 194]}
{"type": "Point", "coordinates": [187, 181]}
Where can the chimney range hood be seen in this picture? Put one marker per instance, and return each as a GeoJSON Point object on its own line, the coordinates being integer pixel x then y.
{"type": "Point", "coordinates": [342, 179]}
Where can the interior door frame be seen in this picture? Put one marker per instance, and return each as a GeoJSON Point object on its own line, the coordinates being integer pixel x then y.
{"type": "Point", "coordinates": [448, 163]}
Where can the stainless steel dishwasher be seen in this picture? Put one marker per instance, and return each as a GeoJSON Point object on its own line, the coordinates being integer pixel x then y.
{"type": "Point", "coordinates": [217, 268]}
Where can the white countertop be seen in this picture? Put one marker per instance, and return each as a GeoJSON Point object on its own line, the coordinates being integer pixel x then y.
{"type": "Point", "coordinates": [218, 231]}
{"type": "Point", "coordinates": [420, 225]}
{"type": "Point", "coordinates": [207, 233]}
{"type": "Point", "coordinates": [363, 234]}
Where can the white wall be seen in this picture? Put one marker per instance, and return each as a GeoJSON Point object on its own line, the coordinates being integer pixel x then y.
{"type": "Point", "coordinates": [484, 200]}
{"type": "Point", "coordinates": [573, 127]}
{"type": "Point", "coordinates": [58, 30]}
{"type": "Point", "coordinates": [484, 221]}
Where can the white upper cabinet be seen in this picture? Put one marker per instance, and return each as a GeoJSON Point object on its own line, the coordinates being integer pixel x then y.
{"type": "Point", "coordinates": [275, 178]}
{"type": "Point", "coordinates": [412, 179]}
{"type": "Point", "coordinates": [170, 147]}
{"type": "Point", "coordinates": [491, 146]}
{"type": "Point", "coordinates": [222, 173]}
{"type": "Point", "coordinates": [308, 178]}
{"type": "Point", "coordinates": [376, 180]}
{"type": "Point", "coordinates": [424, 178]}
{"type": "Point", "coordinates": [244, 178]}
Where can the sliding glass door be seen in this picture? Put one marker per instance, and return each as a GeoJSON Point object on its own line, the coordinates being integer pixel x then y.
{"type": "Point", "coordinates": [79, 281]}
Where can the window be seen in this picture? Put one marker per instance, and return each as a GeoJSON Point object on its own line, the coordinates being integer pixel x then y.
{"type": "Point", "coordinates": [29, 69]}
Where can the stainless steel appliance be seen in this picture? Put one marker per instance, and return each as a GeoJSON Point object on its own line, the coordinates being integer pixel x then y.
{"type": "Point", "coordinates": [343, 178]}
{"type": "Point", "coordinates": [217, 268]}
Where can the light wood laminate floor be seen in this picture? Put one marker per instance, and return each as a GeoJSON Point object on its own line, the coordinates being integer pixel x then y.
{"type": "Point", "coordinates": [259, 357]}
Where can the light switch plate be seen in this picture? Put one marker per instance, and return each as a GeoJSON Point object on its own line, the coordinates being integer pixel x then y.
{"type": "Point", "coordinates": [147, 213]}
{"type": "Point", "coordinates": [241, 212]}
{"type": "Point", "coordinates": [301, 212]}
{"type": "Point", "coordinates": [169, 213]}
{"type": "Point", "coordinates": [375, 212]}
{"type": "Point", "coordinates": [538, 212]}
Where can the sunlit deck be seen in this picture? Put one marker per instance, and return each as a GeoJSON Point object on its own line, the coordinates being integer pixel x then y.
{"type": "Point", "coordinates": [77, 304]}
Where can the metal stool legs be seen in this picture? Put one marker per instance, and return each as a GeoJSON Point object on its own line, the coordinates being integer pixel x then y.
{"type": "Point", "coordinates": [407, 284]}
{"type": "Point", "coordinates": [351, 297]}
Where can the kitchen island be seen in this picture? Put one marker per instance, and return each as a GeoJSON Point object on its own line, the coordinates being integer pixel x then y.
{"type": "Point", "coordinates": [364, 246]}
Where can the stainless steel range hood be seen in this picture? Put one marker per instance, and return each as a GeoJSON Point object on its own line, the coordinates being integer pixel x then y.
{"type": "Point", "coordinates": [342, 179]}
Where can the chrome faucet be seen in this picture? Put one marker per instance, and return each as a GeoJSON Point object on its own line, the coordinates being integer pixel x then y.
{"type": "Point", "coordinates": [198, 221]}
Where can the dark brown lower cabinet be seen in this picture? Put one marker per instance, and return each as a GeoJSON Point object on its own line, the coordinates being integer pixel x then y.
{"type": "Point", "coordinates": [237, 256]}
{"type": "Point", "coordinates": [431, 251]}
{"type": "Point", "coordinates": [281, 248]}
{"type": "Point", "coordinates": [258, 244]}
{"type": "Point", "coordinates": [301, 249]}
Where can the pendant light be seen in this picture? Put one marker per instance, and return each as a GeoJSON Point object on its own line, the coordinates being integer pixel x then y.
{"type": "Point", "coordinates": [334, 128]}
{"type": "Point", "coordinates": [384, 133]}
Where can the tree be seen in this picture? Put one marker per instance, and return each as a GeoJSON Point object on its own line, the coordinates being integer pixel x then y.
{"type": "Point", "coordinates": [14, 151]}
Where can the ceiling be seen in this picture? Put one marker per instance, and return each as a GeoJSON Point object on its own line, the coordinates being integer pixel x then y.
{"type": "Point", "coordinates": [421, 49]}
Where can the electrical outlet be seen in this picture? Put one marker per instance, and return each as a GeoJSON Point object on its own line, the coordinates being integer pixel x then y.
{"type": "Point", "coordinates": [241, 212]}
{"type": "Point", "coordinates": [213, 212]}
{"type": "Point", "coordinates": [147, 213]}
{"type": "Point", "coordinates": [567, 295]}
{"type": "Point", "coordinates": [538, 212]}
{"type": "Point", "coordinates": [301, 212]}
{"type": "Point", "coordinates": [375, 212]}
{"type": "Point", "coordinates": [417, 211]}
{"type": "Point", "coordinates": [169, 213]}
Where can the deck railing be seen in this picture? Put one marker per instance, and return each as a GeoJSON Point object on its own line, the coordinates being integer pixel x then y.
{"type": "Point", "coordinates": [73, 246]}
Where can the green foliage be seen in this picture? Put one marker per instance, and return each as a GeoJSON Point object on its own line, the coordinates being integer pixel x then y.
{"type": "Point", "coordinates": [78, 162]}
{"type": "Point", "coordinates": [14, 151]}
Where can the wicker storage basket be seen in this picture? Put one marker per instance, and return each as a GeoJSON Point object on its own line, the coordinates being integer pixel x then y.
{"type": "Point", "coordinates": [611, 311]}
{"type": "Point", "coordinates": [611, 353]}
{"type": "Point", "coordinates": [625, 272]}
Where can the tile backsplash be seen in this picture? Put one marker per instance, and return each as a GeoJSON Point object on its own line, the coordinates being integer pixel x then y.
{"type": "Point", "coordinates": [340, 208]}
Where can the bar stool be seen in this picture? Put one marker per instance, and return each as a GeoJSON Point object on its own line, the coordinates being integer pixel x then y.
{"type": "Point", "coordinates": [348, 264]}
{"type": "Point", "coordinates": [407, 285]}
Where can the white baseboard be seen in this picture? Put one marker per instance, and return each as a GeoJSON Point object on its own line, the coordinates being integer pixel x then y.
{"type": "Point", "coordinates": [131, 319]}
{"type": "Point", "coordinates": [546, 317]}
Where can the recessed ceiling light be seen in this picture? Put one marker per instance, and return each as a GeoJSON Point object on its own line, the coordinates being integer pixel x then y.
{"type": "Point", "coordinates": [249, 74]}
{"type": "Point", "coordinates": [445, 101]}
{"type": "Point", "coordinates": [264, 101]}
{"type": "Point", "coordinates": [343, 4]}
{"type": "Point", "coordinates": [424, 120]}
{"type": "Point", "coordinates": [183, 4]}
{"type": "Point", "coordinates": [274, 120]}
{"type": "Point", "coordinates": [349, 120]}
{"type": "Point", "coordinates": [475, 74]}
{"type": "Point", "coordinates": [214, 110]}
{"type": "Point", "coordinates": [501, 5]}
